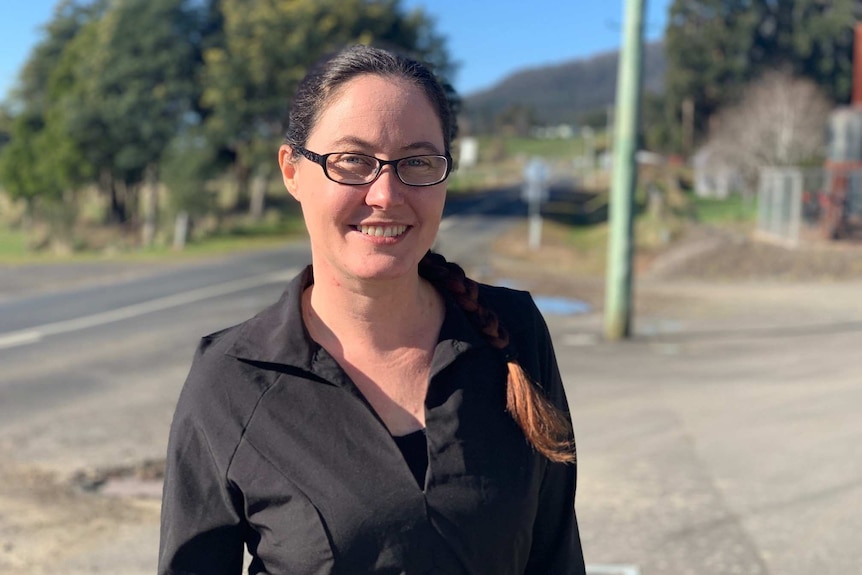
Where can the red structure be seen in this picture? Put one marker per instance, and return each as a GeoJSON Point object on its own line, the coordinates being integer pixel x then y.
{"type": "Point", "coordinates": [841, 199]}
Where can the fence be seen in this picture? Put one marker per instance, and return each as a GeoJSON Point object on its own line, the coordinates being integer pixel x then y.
{"type": "Point", "coordinates": [806, 204]}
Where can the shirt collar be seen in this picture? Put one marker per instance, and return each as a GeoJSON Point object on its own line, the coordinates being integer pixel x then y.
{"type": "Point", "coordinates": [277, 335]}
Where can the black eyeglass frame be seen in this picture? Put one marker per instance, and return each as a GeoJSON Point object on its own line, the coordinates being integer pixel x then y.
{"type": "Point", "coordinates": [320, 160]}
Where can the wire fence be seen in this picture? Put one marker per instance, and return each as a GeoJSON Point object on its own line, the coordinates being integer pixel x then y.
{"type": "Point", "coordinates": [809, 204]}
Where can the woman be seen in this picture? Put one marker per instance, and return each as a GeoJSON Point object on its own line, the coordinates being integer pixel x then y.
{"type": "Point", "coordinates": [379, 418]}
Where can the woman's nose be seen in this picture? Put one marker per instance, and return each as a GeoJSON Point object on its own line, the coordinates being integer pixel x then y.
{"type": "Point", "coordinates": [387, 190]}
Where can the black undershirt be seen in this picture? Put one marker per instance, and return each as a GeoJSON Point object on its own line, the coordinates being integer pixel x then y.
{"type": "Point", "coordinates": [414, 448]}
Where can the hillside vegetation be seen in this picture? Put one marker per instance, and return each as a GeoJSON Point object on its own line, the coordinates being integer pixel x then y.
{"type": "Point", "coordinates": [562, 93]}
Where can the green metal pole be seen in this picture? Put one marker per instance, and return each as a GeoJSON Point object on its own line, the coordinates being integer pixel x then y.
{"type": "Point", "coordinates": [618, 288]}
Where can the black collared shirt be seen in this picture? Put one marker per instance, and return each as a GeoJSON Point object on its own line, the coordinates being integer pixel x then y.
{"type": "Point", "coordinates": [272, 446]}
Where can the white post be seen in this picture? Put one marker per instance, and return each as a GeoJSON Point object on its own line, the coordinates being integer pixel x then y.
{"type": "Point", "coordinates": [534, 193]}
{"type": "Point", "coordinates": [535, 237]}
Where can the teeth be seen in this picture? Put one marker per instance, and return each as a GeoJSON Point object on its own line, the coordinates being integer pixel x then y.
{"type": "Point", "coordinates": [381, 231]}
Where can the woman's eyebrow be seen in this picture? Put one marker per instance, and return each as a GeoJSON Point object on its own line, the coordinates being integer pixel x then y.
{"type": "Point", "coordinates": [351, 141]}
{"type": "Point", "coordinates": [421, 146]}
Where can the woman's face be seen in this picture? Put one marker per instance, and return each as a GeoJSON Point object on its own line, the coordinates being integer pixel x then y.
{"type": "Point", "coordinates": [375, 231]}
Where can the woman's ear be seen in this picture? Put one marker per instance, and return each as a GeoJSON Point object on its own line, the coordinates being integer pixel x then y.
{"type": "Point", "coordinates": [288, 169]}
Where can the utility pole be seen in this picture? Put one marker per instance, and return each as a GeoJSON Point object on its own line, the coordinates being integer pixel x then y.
{"type": "Point", "coordinates": [618, 289]}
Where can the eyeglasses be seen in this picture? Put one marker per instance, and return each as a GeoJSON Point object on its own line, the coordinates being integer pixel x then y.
{"type": "Point", "coordinates": [360, 169]}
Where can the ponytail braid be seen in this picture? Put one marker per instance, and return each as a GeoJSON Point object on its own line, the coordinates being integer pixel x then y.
{"type": "Point", "coordinates": [544, 424]}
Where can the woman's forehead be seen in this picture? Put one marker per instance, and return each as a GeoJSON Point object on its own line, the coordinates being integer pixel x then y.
{"type": "Point", "coordinates": [370, 106]}
{"type": "Point", "coordinates": [372, 93]}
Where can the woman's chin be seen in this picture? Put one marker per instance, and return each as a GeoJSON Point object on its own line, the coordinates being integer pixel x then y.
{"type": "Point", "coordinates": [381, 267]}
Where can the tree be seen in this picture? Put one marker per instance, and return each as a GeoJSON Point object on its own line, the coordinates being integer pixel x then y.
{"type": "Point", "coordinates": [69, 17]}
{"type": "Point", "coordinates": [43, 164]}
{"type": "Point", "coordinates": [23, 170]}
{"type": "Point", "coordinates": [5, 127]}
{"type": "Point", "coordinates": [708, 46]}
{"type": "Point", "coordinates": [716, 47]}
{"type": "Point", "coordinates": [144, 85]}
{"type": "Point", "coordinates": [39, 161]}
{"type": "Point", "coordinates": [779, 122]}
{"type": "Point", "coordinates": [516, 119]}
{"type": "Point", "coordinates": [102, 95]}
{"type": "Point", "coordinates": [814, 38]}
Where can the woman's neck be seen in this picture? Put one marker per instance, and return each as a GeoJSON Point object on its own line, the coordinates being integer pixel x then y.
{"type": "Point", "coordinates": [385, 315]}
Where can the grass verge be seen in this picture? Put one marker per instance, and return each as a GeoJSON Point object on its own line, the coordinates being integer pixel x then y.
{"type": "Point", "coordinates": [245, 237]}
{"type": "Point", "coordinates": [734, 210]}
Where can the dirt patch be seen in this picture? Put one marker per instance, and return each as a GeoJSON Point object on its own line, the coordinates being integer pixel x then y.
{"type": "Point", "coordinates": [555, 268]}
{"type": "Point", "coordinates": [46, 520]}
{"type": "Point", "coordinates": [698, 253]}
{"type": "Point", "coordinates": [704, 273]}
{"type": "Point", "coordinates": [143, 480]}
{"type": "Point", "coordinates": [739, 257]}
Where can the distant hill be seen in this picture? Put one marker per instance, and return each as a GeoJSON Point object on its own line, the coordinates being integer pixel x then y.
{"type": "Point", "coordinates": [561, 93]}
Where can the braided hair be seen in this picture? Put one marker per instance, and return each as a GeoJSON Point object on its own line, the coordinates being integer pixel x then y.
{"type": "Point", "coordinates": [545, 426]}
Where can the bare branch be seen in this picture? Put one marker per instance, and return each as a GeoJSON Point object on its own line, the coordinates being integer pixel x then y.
{"type": "Point", "coordinates": [780, 121]}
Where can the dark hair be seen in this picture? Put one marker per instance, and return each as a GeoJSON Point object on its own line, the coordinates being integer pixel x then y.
{"type": "Point", "coordinates": [544, 424]}
{"type": "Point", "coordinates": [324, 79]}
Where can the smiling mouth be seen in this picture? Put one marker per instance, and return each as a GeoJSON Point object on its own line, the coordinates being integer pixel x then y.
{"type": "Point", "coordinates": [382, 231]}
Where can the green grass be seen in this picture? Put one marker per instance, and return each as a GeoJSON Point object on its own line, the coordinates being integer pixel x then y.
{"type": "Point", "coordinates": [732, 210]}
{"type": "Point", "coordinates": [12, 243]}
{"type": "Point", "coordinates": [594, 238]}
{"type": "Point", "coordinates": [482, 178]}
{"type": "Point", "coordinates": [216, 245]}
{"type": "Point", "coordinates": [466, 181]}
{"type": "Point", "coordinates": [589, 238]}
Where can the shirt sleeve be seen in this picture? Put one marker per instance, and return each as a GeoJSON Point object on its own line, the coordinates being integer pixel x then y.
{"type": "Point", "coordinates": [202, 530]}
{"type": "Point", "coordinates": [556, 547]}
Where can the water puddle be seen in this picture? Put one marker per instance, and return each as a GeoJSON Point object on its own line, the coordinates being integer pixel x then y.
{"type": "Point", "coordinates": [561, 305]}
{"type": "Point", "coordinates": [550, 304]}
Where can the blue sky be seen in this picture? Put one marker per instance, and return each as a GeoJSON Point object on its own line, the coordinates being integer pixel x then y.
{"type": "Point", "coordinates": [490, 39]}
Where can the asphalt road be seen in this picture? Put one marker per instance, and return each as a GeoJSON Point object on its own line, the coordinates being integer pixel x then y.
{"type": "Point", "coordinates": [723, 439]}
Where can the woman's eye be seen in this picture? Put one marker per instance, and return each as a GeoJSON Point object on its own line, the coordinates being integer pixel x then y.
{"type": "Point", "coordinates": [355, 159]}
{"type": "Point", "coordinates": [418, 162]}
